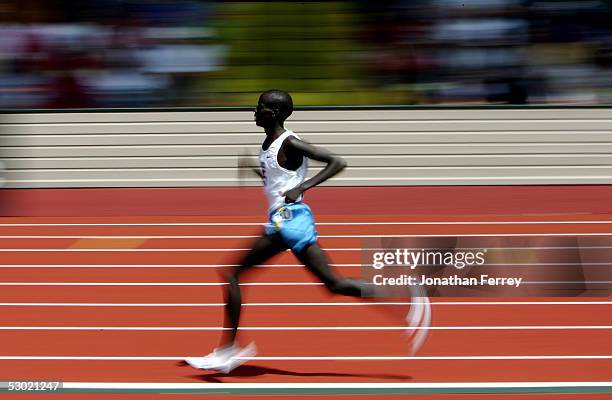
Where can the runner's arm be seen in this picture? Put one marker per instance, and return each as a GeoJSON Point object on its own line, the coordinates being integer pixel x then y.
{"type": "Point", "coordinates": [244, 164]}
{"type": "Point", "coordinates": [335, 164]}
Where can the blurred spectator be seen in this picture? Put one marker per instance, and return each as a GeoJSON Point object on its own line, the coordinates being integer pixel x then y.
{"type": "Point", "coordinates": [148, 53]}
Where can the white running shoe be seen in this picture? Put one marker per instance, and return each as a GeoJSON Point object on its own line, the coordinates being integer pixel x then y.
{"type": "Point", "coordinates": [224, 359]}
{"type": "Point", "coordinates": [218, 356]}
{"type": "Point", "coordinates": [418, 317]}
{"type": "Point", "coordinates": [239, 357]}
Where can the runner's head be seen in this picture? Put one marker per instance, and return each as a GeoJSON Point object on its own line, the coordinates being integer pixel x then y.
{"type": "Point", "coordinates": [273, 106]}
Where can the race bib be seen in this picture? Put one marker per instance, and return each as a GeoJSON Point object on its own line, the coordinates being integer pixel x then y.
{"type": "Point", "coordinates": [282, 214]}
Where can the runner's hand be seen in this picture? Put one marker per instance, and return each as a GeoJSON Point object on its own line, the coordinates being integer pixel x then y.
{"type": "Point", "coordinates": [292, 195]}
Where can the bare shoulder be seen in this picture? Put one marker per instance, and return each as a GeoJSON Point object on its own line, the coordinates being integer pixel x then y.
{"type": "Point", "coordinates": [309, 150]}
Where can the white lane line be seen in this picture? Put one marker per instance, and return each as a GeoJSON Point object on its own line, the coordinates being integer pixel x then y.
{"type": "Point", "coordinates": [257, 181]}
{"type": "Point", "coordinates": [365, 223]}
{"type": "Point", "coordinates": [331, 385]}
{"type": "Point", "coordinates": [179, 237]}
{"type": "Point", "coordinates": [301, 328]}
{"type": "Point", "coordinates": [348, 358]}
{"type": "Point", "coordinates": [127, 266]}
{"type": "Point", "coordinates": [339, 304]}
{"type": "Point", "coordinates": [134, 237]}
{"type": "Point", "coordinates": [241, 284]}
{"type": "Point", "coordinates": [314, 358]}
{"type": "Point", "coordinates": [247, 123]}
{"type": "Point", "coordinates": [158, 284]}
{"type": "Point", "coordinates": [206, 249]}
{"type": "Point", "coordinates": [141, 224]}
{"type": "Point", "coordinates": [182, 265]}
{"type": "Point", "coordinates": [77, 250]}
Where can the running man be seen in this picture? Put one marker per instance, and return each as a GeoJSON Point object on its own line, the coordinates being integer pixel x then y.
{"type": "Point", "coordinates": [283, 159]}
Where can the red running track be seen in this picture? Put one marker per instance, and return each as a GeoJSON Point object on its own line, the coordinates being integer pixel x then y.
{"type": "Point", "coordinates": [127, 263]}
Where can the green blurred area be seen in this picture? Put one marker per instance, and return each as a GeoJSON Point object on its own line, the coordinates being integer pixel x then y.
{"type": "Point", "coordinates": [310, 49]}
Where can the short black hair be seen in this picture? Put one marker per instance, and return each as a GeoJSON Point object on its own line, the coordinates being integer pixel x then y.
{"type": "Point", "coordinates": [280, 101]}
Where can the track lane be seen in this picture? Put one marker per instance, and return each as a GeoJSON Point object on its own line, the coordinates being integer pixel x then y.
{"type": "Point", "coordinates": [264, 273]}
{"type": "Point", "coordinates": [160, 294]}
{"type": "Point", "coordinates": [191, 293]}
{"type": "Point", "coordinates": [378, 315]}
{"type": "Point", "coordinates": [416, 240]}
{"type": "Point", "coordinates": [321, 217]}
{"type": "Point", "coordinates": [327, 224]}
{"type": "Point", "coordinates": [307, 343]}
{"type": "Point", "coordinates": [442, 229]}
{"type": "Point", "coordinates": [440, 341]}
{"type": "Point", "coordinates": [318, 371]}
{"type": "Point", "coordinates": [221, 256]}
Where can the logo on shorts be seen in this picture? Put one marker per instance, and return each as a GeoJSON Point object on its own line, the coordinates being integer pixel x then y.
{"type": "Point", "coordinates": [285, 213]}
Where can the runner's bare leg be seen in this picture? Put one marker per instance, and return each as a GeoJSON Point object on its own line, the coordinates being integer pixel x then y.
{"type": "Point", "coordinates": [264, 248]}
{"type": "Point", "coordinates": [315, 259]}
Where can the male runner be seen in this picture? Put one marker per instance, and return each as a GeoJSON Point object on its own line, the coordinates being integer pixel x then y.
{"type": "Point", "coordinates": [283, 159]}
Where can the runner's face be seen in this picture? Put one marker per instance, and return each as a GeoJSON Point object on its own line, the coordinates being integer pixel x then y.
{"type": "Point", "coordinates": [264, 115]}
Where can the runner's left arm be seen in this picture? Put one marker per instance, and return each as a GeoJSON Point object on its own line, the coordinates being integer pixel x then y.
{"type": "Point", "coordinates": [244, 164]}
{"type": "Point", "coordinates": [334, 162]}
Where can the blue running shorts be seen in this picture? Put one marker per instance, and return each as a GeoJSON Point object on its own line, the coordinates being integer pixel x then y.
{"type": "Point", "coordinates": [295, 223]}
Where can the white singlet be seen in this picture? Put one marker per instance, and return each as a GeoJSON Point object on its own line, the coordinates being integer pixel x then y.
{"type": "Point", "coordinates": [277, 180]}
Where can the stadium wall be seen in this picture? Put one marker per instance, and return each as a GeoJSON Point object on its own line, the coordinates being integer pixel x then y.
{"type": "Point", "coordinates": [383, 147]}
{"type": "Point", "coordinates": [421, 161]}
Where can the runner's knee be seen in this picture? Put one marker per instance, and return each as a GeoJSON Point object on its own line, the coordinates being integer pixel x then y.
{"type": "Point", "coordinates": [232, 277]}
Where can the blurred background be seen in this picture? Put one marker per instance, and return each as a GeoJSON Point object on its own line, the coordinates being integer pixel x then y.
{"type": "Point", "coordinates": [182, 53]}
